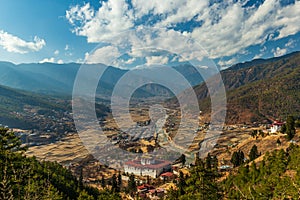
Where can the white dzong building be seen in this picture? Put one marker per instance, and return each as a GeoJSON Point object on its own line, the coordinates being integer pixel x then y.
{"type": "Point", "coordinates": [147, 167]}
{"type": "Point", "coordinates": [276, 126]}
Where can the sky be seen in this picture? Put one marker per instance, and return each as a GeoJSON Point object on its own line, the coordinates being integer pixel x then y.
{"type": "Point", "coordinates": [133, 33]}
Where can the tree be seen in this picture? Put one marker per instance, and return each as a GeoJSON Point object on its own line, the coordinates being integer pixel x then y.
{"type": "Point", "coordinates": [283, 128]}
{"type": "Point", "coordinates": [290, 127]}
{"type": "Point", "coordinates": [261, 133]}
{"type": "Point", "coordinates": [201, 184]}
{"type": "Point", "coordinates": [102, 182]}
{"type": "Point", "coordinates": [80, 183]}
{"type": "Point", "coordinates": [182, 159]}
{"type": "Point", "coordinates": [114, 184]}
{"type": "Point", "coordinates": [131, 184]}
{"type": "Point", "coordinates": [237, 158]}
{"type": "Point", "coordinates": [253, 153]}
{"type": "Point", "coordinates": [119, 181]}
{"type": "Point", "coordinates": [254, 133]}
{"type": "Point", "coordinates": [9, 142]}
{"type": "Point", "coordinates": [10, 151]}
{"type": "Point", "coordinates": [208, 161]}
{"type": "Point", "coordinates": [214, 162]}
{"type": "Point", "coordinates": [278, 142]}
{"type": "Point", "coordinates": [181, 183]}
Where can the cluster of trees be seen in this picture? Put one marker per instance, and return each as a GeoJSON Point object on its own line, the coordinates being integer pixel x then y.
{"type": "Point", "coordinates": [276, 177]}
{"type": "Point", "coordinates": [289, 127]}
{"type": "Point", "coordinates": [202, 182]}
{"type": "Point", "coordinates": [238, 157]}
{"type": "Point", "coordinates": [27, 178]}
{"type": "Point", "coordinates": [256, 133]}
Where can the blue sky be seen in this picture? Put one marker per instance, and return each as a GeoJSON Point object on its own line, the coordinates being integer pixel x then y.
{"type": "Point", "coordinates": [69, 31]}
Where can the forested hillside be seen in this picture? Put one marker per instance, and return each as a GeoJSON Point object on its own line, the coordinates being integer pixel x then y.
{"type": "Point", "coordinates": [27, 178]}
{"type": "Point", "coordinates": [276, 177]}
{"type": "Point", "coordinates": [258, 91]}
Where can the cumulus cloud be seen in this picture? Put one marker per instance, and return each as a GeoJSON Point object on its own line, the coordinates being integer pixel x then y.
{"type": "Point", "coordinates": [156, 60]}
{"type": "Point", "coordinates": [105, 55]}
{"type": "Point", "coordinates": [130, 61]}
{"type": "Point", "coordinates": [290, 43]}
{"type": "Point", "coordinates": [48, 60]}
{"type": "Point", "coordinates": [225, 27]}
{"type": "Point", "coordinates": [56, 52]}
{"type": "Point", "coordinates": [51, 60]}
{"type": "Point", "coordinates": [15, 44]}
{"type": "Point", "coordinates": [227, 63]}
{"type": "Point", "coordinates": [112, 17]}
{"type": "Point", "coordinates": [279, 52]}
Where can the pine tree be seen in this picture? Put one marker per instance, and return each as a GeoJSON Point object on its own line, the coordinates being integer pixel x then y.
{"type": "Point", "coordinates": [278, 142]}
{"type": "Point", "coordinates": [119, 181]}
{"type": "Point", "coordinates": [131, 184]}
{"type": "Point", "coordinates": [5, 185]}
{"type": "Point", "coordinates": [102, 182]}
{"type": "Point", "coordinates": [114, 184]}
{"type": "Point", "coordinates": [253, 153]}
{"type": "Point", "coordinates": [208, 161]}
{"type": "Point", "coordinates": [290, 127]}
{"type": "Point", "coordinates": [182, 159]}
{"type": "Point", "coordinates": [237, 158]}
{"type": "Point", "coordinates": [181, 183]}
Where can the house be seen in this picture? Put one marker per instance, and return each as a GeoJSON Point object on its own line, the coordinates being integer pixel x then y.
{"type": "Point", "coordinates": [276, 126]}
{"type": "Point", "coordinates": [147, 167]}
{"type": "Point", "coordinates": [167, 176]}
{"type": "Point", "coordinates": [156, 193]}
{"type": "Point", "coordinates": [144, 188]}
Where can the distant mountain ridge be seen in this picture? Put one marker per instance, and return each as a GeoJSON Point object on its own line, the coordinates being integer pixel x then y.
{"type": "Point", "coordinates": [51, 78]}
{"type": "Point", "coordinates": [259, 90]}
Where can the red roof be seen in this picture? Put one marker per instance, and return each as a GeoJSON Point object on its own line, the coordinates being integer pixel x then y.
{"type": "Point", "coordinates": [167, 174]}
{"type": "Point", "coordinates": [158, 190]}
{"type": "Point", "coordinates": [145, 186]}
{"type": "Point", "coordinates": [278, 123]}
{"type": "Point", "coordinates": [158, 164]}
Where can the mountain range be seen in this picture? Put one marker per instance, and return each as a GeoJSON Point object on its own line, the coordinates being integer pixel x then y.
{"type": "Point", "coordinates": [51, 78]}
{"type": "Point", "coordinates": [259, 90]}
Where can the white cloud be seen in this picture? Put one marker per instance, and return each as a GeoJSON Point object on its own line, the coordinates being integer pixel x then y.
{"type": "Point", "coordinates": [262, 52]}
{"type": "Point", "coordinates": [60, 61]}
{"type": "Point", "coordinates": [289, 19]}
{"type": "Point", "coordinates": [67, 47]}
{"type": "Point", "coordinates": [130, 61]}
{"type": "Point", "coordinates": [290, 43]}
{"type": "Point", "coordinates": [279, 52]}
{"type": "Point", "coordinates": [227, 27]}
{"type": "Point", "coordinates": [77, 13]}
{"type": "Point", "coordinates": [48, 60]}
{"type": "Point", "coordinates": [105, 55]}
{"type": "Point", "coordinates": [227, 63]}
{"type": "Point", "coordinates": [56, 52]}
{"type": "Point", "coordinates": [51, 60]}
{"type": "Point", "coordinates": [14, 44]}
{"type": "Point", "coordinates": [112, 17]}
{"type": "Point", "coordinates": [156, 60]}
